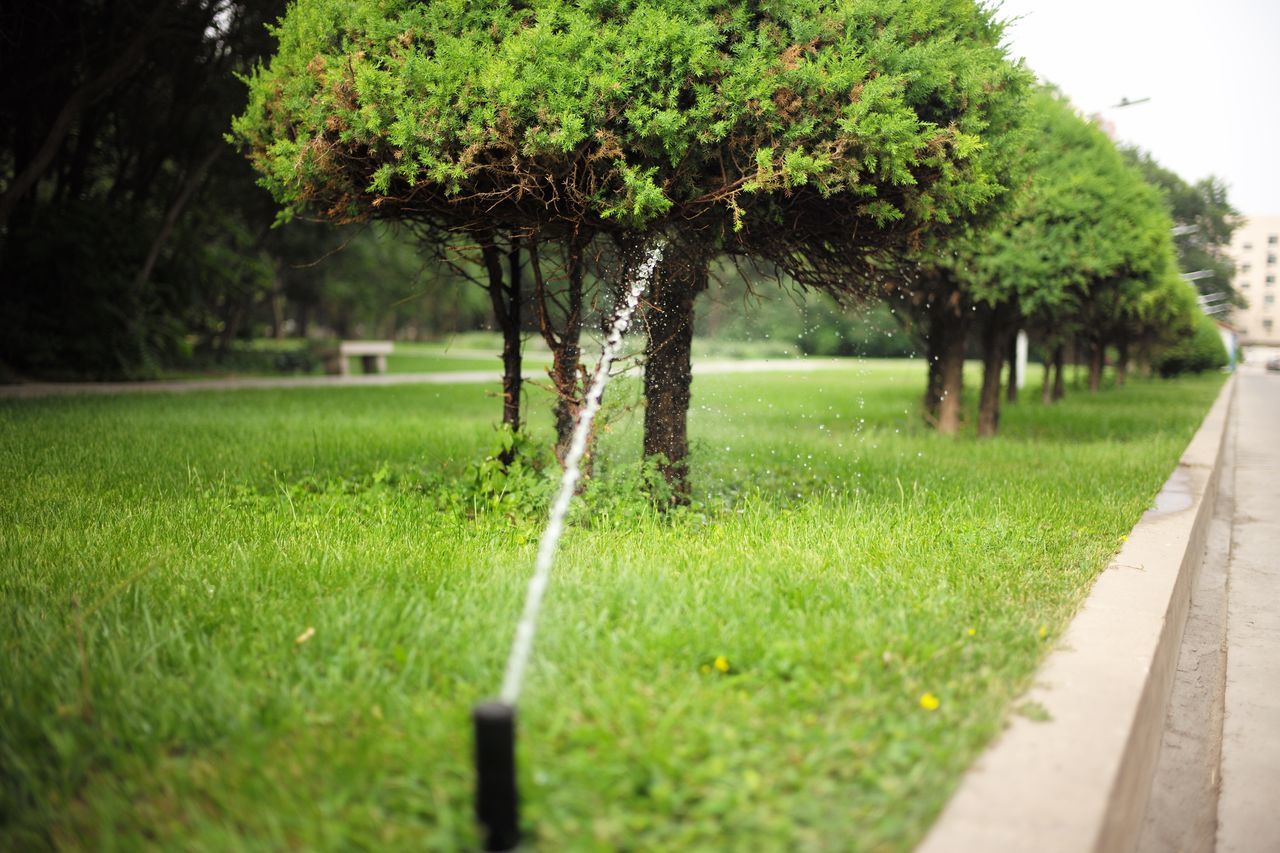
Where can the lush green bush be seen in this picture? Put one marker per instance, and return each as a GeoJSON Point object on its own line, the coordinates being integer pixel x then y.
{"type": "Point", "coordinates": [1201, 351]}
{"type": "Point", "coordinates": [750, 316]}
{"type": "Point", "coordinates": [882, 114]}
{"type": "Point", "coordinates": [258, 357]}
{"type": "Point", "coordinates": [870, 333]}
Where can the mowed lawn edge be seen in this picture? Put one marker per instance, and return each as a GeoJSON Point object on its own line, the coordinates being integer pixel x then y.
{"type": "Point", "coordinates": [260, 618]}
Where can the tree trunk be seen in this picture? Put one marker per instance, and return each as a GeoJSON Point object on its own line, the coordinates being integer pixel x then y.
{"type": "Point", "coordinates": [668, 373]}
{"type": "Point", "coordinates": [565, 367]}
{"type": "Point", "coordinates": [944, 344]}
{"type": "Point", "coordinates": [233, 318]}
{"type": "Point", "coordinates": [277, 305]}
{"type": "Point", "coordinates": [565, 344]}
{"type": "Point", "coordinates": [1046, 384]}
{"type": "Point", "coordinates": [1059, 379]}
{"type": "Point", "coordinates": [994, 343]}
{"type": "Point", "coordinates": [1122, 360]}
{"type": "Point", "coordinates": [1097, 352]}
{"type": "Point", "coordinates": [1144, 358]}
{"type": "Point", "coordinates": [511, 356]}
{"type": "Point", "coordinates": [505, 299]}
{"type": "Point", "coordinates": [71, 182]}
{"type": "Point", "coordinates": [949, 407]}
{"type": "Point", "coordinates": [341, 323]}
{"type": "Point", "coordinates": [1012, 394]}
{"type": "Point", "coordinates": [170, 221]}
{"type": "Point", "coordinates": [933, 389]}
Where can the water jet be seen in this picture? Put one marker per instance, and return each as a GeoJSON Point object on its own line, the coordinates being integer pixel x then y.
{"type": "Point", "coordinates": [494, 722]}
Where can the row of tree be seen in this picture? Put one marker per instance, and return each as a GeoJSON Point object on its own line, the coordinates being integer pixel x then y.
{"type": "Point", "coordinates": [1084, 256]}
{"type": "Point", "coordinates": [133, 237]}
{"type": "Point", "coordinates": [821, 140]}
{"type": "Point", "coordinates": [869, 150]}
{"type": "Point", "coordinates": [881, 152]}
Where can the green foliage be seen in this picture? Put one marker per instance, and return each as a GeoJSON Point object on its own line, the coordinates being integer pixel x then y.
{"type": "Point", "coordinates": [517, 479]}
{"type": "Point", "coordinates": [621, 495]}
{"type": "Point", "coordinates": [1165, 315]}
{"type": "Point", "coordinates": [871, 332]}
{"type": "Point", "coordinates": [1205, 210]}
{"type": "Point", "coordinates": [632, 112]}
{"type": "Point", "coordinates": [384, 281]}
{"type": "Point", "coordinates": [1085, 250]}
{"type": "Point", "coordinates": [768, 319]}
{"type": "Point", "coordinates": [1085, 224]}
{"type": "Point", "coordinates": [1197, 352]}
{"type": "Point", "coordinates": [137, 231]}
{"type": "Point", "coordinates": [513, 477]}
{"type": "Point", "coordinates": [143, 246]}
{"type": "Point", "coordinates": [84, 318]}
{"type": "Point", "coordinates": [247, 358]}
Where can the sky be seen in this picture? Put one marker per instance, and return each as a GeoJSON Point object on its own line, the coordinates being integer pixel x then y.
{"type": "Point", "coordinates": [1211, 70]}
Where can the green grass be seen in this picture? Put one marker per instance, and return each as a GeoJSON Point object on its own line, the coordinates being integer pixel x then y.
{"type": "Point", "coordinates": [266, 357]}
{"type": "Point", "coordinates": [464, 354]}
{"type": "Point", "coordinates": [467, 351]}
{"type": "Point", "coordinates": [161, 555]}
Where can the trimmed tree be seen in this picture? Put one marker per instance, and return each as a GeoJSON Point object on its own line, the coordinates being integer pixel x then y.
{"type": "Point", "coordinates": [1090, 238]}
{"type": "Point", "coordinates": [1086, 238]}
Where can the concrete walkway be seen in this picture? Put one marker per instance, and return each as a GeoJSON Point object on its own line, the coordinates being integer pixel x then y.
{"type": "Point", "coordinates": [1217, 783]}
{"type": "Point", "coordinates": [454, 377]}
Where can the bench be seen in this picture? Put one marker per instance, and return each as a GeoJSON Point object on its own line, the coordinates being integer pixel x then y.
{"type": "Point", "coordinates": [372, 355]}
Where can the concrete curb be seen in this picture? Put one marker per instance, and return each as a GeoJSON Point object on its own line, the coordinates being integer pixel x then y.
{"type": "Point", "coordinates": [1080, 781]}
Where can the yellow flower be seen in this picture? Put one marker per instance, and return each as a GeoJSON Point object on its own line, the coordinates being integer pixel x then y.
{"type": "Point", "coordinates": [1044, 632]}
{"type": "Point", "coordinates": [722, 663]}
{"type": "Point", "coordinates": [929, 702]}
{"type": "Point", "coordinates": [973, 632]}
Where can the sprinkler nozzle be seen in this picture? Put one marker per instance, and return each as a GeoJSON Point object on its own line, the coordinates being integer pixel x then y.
{"type": "Point", "coordinates": [497, 801]}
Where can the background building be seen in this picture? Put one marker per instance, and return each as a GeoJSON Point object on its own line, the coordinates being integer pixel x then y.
{"type": "Point", "coordinates": [1256, 250]}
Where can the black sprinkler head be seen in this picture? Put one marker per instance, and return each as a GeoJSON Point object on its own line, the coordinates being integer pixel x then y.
{"type": "Point", "coordinates": [497, 801]}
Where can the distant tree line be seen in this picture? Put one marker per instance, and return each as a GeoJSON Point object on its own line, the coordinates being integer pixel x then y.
{"type": "Point", "coordinates": [131, 232]}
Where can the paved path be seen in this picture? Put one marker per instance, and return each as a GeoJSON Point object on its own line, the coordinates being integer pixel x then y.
{"type": "Point", "coordinates": [1249, 808]}
{"type": "Point", "coordinates": [176, 386]}
{"type": "Point", "coordinates": [1217, 785]}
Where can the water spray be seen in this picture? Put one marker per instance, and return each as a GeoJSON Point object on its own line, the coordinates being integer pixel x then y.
{"type": "Point", "coordinates": [497, 797]}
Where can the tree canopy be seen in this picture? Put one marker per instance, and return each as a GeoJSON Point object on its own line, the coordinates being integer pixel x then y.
{"type": "Point", "coordinates": [866, 121]}
{"type": "Point", "coordinates": [1077, 254]}
{"type": "Point", "coordinates": [1084, 219]}
{"type": "Point", "coordinates": [1205, 219]}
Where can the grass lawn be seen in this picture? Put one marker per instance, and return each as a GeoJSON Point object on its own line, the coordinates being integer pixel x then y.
{"type": "Point", "coordinates": [259, 619]}
{"type": "Point", "coordinates": [463, 355]}
{"type": "Point", "coordinates": [469, 351]}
